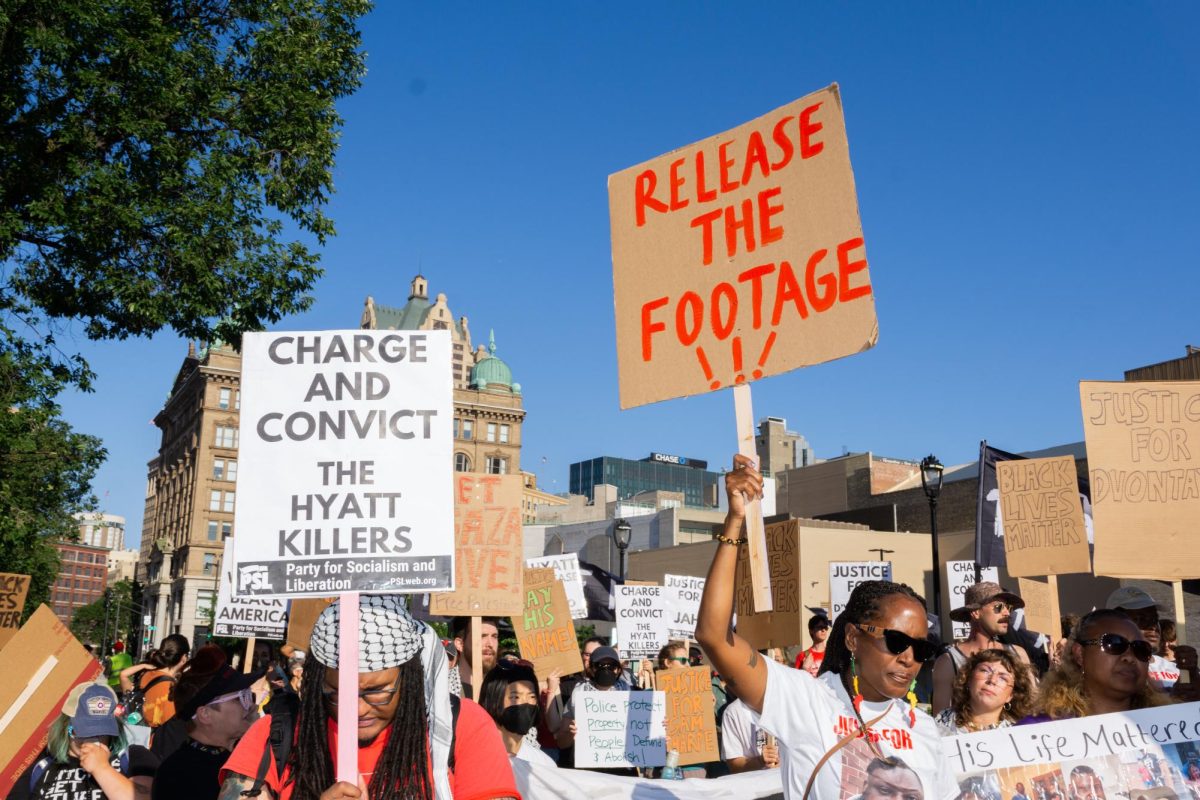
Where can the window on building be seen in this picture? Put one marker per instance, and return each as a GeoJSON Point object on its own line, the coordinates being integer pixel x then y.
{"type": "Point", "coordinates": [224, 399]}
{"type": "Point", "coordinates": [214, 530]}
{"type": "Point", "coordinates": [219, 469]}
{"type": "Point", "coordinates": [226, 436]}
{"type": "Point", "coordinates": [226, 530]}
{"type": "Point", "coordinates": [456, 427]}
{"type": "Point", "coordinates": [497, 466]}
{"type": "Point", "coordinates": [462, 463]}
{"type": "Point", "coordinates": [231, 470]}
{"type": "Point", "coordinates": [466, 429]}
{"type": "Point", "coordinates": [491, 431]}
{"type": "Point", "coordinates": [224, 469]}
{"type": "Point", "coordinates": [237, 399]}
{"type": "Point", "coordinates": [204, 604]}
{"type": "Point", "coordinates": [228, 505]}
{"type": "Point", "coordinates": [503, 434]}
{"type": "Point", "coordinates": [210, 563]}
{"type": "Point", "coordinates": [214, 500]}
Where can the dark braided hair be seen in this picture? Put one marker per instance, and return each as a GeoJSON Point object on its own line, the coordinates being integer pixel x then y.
{"type": "Point", "coordinates": [402, 772]}
{"type": "Point", "coordinates": [865, 604]}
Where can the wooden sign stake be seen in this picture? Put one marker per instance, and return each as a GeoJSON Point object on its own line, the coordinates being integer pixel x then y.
{"type": "Point", "coordinates": [1055, 632]}
{"type": "Point", "coordinates": [1180, 625]}
{"type": "Point", "coordinates": [248, 659]}
{"type": "Point", "coordinates": [476, 657]}
{"type": "Point", "coordinates": [756, 532]}
{"type": "Point", "coordinates": [347, 749]}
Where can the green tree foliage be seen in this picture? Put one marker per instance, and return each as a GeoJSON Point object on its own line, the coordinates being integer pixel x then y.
{"type": "Point", "coordinates": [88, 623]}
{"type": "Point", "coordinates": [151, 153]}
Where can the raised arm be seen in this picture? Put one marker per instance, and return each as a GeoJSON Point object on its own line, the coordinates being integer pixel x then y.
{"type": "Point", "coordinates": [738, 662]}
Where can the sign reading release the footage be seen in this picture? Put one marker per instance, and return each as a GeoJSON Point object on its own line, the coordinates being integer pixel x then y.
{"type": "Point", "coordinates": [258, 617]}
{"type": "Point", "coordinates": [1152, 753]}
{"type": "Point", "coordinates": [345, 454]}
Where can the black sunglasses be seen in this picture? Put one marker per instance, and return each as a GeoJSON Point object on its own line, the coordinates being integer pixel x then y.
{"type": "Point", "coordinates": [897, 642]}
{"type": "Point", "coordinates": [1115, 645]}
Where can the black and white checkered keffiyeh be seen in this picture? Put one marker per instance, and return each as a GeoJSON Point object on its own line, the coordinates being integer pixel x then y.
{"type": "Point", "coordinates": [387, 635]}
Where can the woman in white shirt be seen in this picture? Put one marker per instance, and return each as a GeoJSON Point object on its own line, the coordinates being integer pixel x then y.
{"type": "Point", "coordinates": [875, 651]}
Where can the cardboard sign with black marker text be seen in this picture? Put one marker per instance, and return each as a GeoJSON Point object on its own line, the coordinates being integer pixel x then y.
{"type": "Point", "coordinates": [1044, 531]}
{"type": "Point", "coordinates": [13, 589]}
{"type": "Point", "coordinates": [544, 629]}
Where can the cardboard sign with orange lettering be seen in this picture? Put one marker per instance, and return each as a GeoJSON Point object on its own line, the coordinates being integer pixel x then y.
{"type": "Point", "coordinates": [13, 589]}
{"type": "Point", "coordinates": [1044, 531]}
{"type": "Point", "coordinates": [691, 717]}
{"type": "Point", "coordinates": [41, 665]}
{"type": "Point", "coordinates": [740, 256]}
{"type": "Point", "coordinates": [1143, 447]}
{"type": "Point", "coordinates": [488, 548]}
{"type": "Point", "coordinates": [544, 629]}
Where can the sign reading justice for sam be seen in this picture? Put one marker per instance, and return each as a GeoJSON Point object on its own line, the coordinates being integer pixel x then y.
{"type": "Point", "coordinates": [344, 436]}
{"type": "Point", "coordinates": [740, 256]}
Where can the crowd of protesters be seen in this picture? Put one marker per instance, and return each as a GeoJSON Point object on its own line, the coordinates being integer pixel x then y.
{"type": "Point", "coordinates": [193, 726]}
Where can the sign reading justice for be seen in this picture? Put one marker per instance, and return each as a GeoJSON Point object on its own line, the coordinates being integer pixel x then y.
{"type": "Point", "coordinates": [740, 256]}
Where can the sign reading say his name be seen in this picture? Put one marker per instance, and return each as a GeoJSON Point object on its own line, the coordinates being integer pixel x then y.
{"type": "Point", "coordinates": [641, 620]}
{"type": "Point", "coordinates": [566, 569]}
{"type": "Point", "coordinates": [544, 629]}
{"type": "Point", "coordinates": [487, 554]}
{"type": "Point", "coordinates": [345, 451]}
{"type": "Point", "coordinates": [1044, 532]}
{"type": "Point", "coordinates": [13, 589]}
{"type": "Point", "coordinates": [620, 729]}
{"type": "Point", "coordinates": [844, 576]}
{"type": "Point", "coordinates": [1152, 753]}
{"type": "Point", "coordinates": [244, 617]}
{"type": "Point", "coordinates": [740, 256]}
{"type": "Point", "coordinates": [1143, 446]}
{"type": "Point", "coordinates": [691, 717]}
{"type": "Point", "coordinates": [683, 593]}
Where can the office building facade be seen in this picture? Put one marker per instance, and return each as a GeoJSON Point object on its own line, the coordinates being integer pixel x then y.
{"type": "Point", "coordinates": [656, 472]}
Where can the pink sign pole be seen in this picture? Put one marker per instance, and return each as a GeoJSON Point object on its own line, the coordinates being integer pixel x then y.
{"type": "Point", "coordinates": [347, 749]}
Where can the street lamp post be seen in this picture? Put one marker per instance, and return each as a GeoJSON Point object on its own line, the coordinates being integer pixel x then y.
{"type": "Point", "coordinates": [621, 533]}
{"type": "Point", "coordinates": [931, 482]}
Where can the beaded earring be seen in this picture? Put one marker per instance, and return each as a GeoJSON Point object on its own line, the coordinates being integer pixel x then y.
{"type": "Point", "coordinates": [912, 704]}
{"type": "Point", "coordinates": [858, 698]}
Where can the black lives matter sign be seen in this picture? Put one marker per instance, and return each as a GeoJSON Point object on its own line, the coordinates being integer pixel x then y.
{"type": "Point", "coordinates": [345, 474]}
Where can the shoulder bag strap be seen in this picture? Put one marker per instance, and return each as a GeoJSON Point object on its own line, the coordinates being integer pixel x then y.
{"type": "Point", "coordinates": [845, 740]}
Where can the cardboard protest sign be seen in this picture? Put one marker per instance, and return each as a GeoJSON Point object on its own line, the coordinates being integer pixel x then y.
{"type": "Point", "coordinates": [683, 593]}
{"type": "Point", "coordinates": [13, 589]}
{"type": "Point", "coordinates": [544, 629]}
{"type": "Point", "coordinates": [302, 616]}
{"type": "Point", "coordinates": [620, 729]}
{"type": "Point", "coordinates": [740, 256]}
{"type": "Point", "coordinates": [41, 664]}
{"type": "Point", "coordinates": [845, 575]}
{"type": "Point", "coordinates": [566, 569]}
{"type": "Point", "coordinates": [1044, 532]}
{"type": "Point", "coordinates": [343, 438]}
{"type": "Point", "coordinates": [690, 714]}
{"type": "Point", "coordinates": [1151, 753]}
{"type": "Point", "coordinates": [960, 576]}
{"type": "Point", "coordinates": [1039, 614]}
{"type": "Point", "coordinates": [1143, 446]}
{"type": "Point", "coordinates": [641, 620]}
{"type": "Point", "coordinates": [246, 617]}
{"type": "Point", "coordinates": [487, 535]}
{"type": "Point", "coordinates": [782, 626]}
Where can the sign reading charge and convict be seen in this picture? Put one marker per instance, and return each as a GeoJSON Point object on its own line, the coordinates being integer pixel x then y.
{"type": "Point", "coordinates": [343, 436]}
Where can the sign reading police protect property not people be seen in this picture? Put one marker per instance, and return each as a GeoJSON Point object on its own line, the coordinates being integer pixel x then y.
{"type": "Point", "coordinates": [345, 449]}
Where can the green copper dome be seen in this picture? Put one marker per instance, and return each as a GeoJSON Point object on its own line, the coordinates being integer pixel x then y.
{"type": "Point", "coordinates": [492, 371]}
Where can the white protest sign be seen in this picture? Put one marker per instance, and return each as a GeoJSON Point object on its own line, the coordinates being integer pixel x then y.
{"type": "Point", "coordinates": [620, 729]}
{"type": "Point", "coordinates": [683, 594]}
{"type": "Point", "coordinates": [566, 569]}
{"type": "Point", "coordinates": [641, 620]}
{"type": "Point", "coordinates": [246, 617]}
{"type": "Point", "coordinates": [345, 454]}
{"type": "Point", "coordinates": [960, 576]}
{"type": "Point", "coordinates": [845, 575]}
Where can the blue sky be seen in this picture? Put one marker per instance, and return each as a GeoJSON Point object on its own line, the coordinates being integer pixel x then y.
{"type": "Point", "coordinates": [1027, 175]}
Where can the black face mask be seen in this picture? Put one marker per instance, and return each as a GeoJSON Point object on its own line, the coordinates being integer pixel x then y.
{"type": "Point", "coordinates": [520, 718]}
{"type": "Point", "coordinates": [604, 677]}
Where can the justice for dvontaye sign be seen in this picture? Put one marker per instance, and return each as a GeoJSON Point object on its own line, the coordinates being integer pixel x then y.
{"type": "Point", "coordinates": [259, 617]}
{"type": "Point", "coordinates": [345, 453]}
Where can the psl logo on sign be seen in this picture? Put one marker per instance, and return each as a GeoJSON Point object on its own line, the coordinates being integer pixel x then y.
{"type": "Point", "coordinates": [845, 575]}
{"type": "Point", "coordinates": [253, 578]}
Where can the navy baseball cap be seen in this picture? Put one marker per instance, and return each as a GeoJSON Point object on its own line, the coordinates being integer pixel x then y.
{"type": "Point", "coordinates": [92, 708]}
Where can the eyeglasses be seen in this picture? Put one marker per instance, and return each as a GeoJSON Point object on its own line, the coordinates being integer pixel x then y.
{"type": "Point", "coordinates": [1001, 607]}
{"type": "Point", "coordinates": [244, 695]}
{"type": "Point", "coordinates": [989, 674]}
{"type": "Point", "coordinates": [1115, 645]}
{"type": "Point", "coordinates": [679, 659]}
{"type": "Point", "coordinates": [897, 642]}
{"type": "Point", "coordinates": [372, 697]}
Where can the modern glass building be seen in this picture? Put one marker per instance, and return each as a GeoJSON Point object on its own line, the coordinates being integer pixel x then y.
{"type": "Point", "coordinates": [657, 472]}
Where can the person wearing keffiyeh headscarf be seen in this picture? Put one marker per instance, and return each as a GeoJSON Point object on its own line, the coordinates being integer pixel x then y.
{"type": "Point", "coordinates": [404, 721]}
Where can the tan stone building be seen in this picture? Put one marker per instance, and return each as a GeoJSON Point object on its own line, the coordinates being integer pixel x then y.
{"type": "Point", "coordinates": [488, 408]}
{"type": "Point", "coordinates": [191, 492]}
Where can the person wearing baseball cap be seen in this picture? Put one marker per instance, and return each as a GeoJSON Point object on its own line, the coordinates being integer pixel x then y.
{"type": "Point", "coordinates": [88, 755]}
{"type": "Point", "coordinates": [988, 608]}
{"type": "Point", "coordinates": [1140, 607]}
{"type": "Point", "coordinates": [411, 743]}
{"type": "Point", "coordinates": [605, 674]}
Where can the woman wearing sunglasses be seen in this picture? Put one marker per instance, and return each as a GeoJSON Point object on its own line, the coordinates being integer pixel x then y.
{"type": "Point", "coordinates": [1104, 669]}
{"type": "Point", "coordinates": [875, 650]}
{"type": "Point", "coordinates": [992, 690]}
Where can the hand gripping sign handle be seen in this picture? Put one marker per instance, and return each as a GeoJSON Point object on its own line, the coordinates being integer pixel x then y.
{"type": "Point", "coordinates": [760, 578]}
{"type": "Point", "coordinates": [347, 742]}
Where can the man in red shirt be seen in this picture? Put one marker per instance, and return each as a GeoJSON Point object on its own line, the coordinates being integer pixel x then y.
{"type": "Point", "coordinates": [406, 747]}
